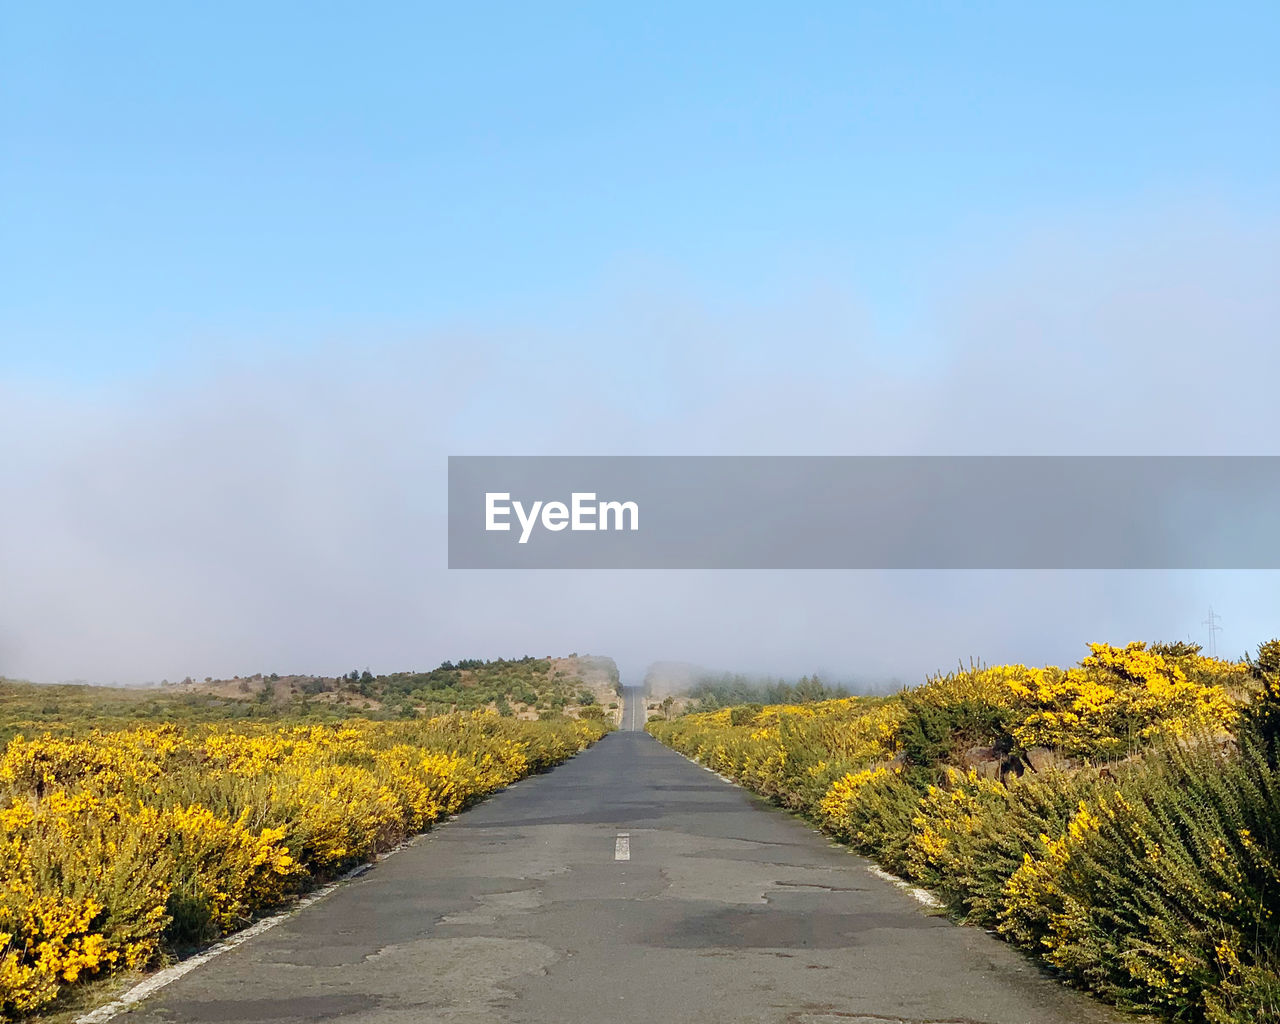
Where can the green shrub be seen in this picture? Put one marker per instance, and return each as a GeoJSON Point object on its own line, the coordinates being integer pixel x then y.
{"type": "Point", "coordinates": [936, 727]}
{"type": "Point", "coordinates": [1161, 893]}
{"type": "Point", "coordinates": [973, 833]}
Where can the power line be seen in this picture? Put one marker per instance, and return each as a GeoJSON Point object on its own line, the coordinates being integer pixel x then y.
{"type": "Point", "coordinates": [1214, 630]}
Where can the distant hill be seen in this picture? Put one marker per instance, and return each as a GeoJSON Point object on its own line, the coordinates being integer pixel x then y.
{"type": "Point", "coordinates": [521, 686]}
{"type": "Point", "coordinates": [527, 688]}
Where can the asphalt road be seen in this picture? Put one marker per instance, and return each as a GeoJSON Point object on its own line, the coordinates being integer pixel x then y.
{"type": "Point", "coordinates": [627, 885]}
{"type": "Point", "coordinates": [634, 710]}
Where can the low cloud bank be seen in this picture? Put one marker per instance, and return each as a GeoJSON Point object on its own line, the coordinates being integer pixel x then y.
{"type": "Point", "coordinates": [287, 514]}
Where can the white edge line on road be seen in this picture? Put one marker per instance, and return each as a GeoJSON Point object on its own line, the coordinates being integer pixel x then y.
{"type": "Point", "coordinates": [922, 896]}
{"type": "Point", "coordinates": [722, 778]}
{"type": "Point", "coordinates": [169, 975]}
{"type": "Point", "coordinates": [914, 891]}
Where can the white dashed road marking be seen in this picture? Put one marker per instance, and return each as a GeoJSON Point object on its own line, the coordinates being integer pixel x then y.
{"type": "Point", "coordinates": [622, 847]}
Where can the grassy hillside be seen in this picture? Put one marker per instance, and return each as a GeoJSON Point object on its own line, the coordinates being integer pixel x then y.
{"type": "Point", "coordinates": [1119, 819]}
{"type": "Point", "coordinates": [527, 688]}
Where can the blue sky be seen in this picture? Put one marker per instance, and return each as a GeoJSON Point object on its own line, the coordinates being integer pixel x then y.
{"type": "Point", "coordinates": [190, 179]}
{"type": "Point", "coordinates": [264, 266]}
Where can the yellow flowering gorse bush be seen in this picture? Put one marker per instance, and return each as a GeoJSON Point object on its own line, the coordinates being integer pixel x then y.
{"type": "Point", "coordinates": [1120, 818]}
{"type": "Point", "coordinates": [120, 848]}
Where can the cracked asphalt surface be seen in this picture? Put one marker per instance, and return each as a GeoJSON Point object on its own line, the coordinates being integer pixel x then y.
{"type": "Point", "coordinates": [728, 910]}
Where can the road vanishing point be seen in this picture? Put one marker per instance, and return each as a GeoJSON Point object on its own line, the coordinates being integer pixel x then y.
{"type": "Point", "coordinates": [627, 885]}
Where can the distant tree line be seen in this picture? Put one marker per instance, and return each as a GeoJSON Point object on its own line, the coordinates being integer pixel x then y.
{"type": "Point", "coordinates": [726, 690]}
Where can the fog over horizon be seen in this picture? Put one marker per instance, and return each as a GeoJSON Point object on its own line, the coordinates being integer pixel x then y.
{"type": "Point", "coordinates": [282, 509]}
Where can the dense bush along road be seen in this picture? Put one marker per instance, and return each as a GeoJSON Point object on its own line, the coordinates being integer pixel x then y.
{"type": "Point", "coordinates": [119, 850]}
{"type": "Point", "coordinates": [628, 884]}
{"type": "Point", "coordinates": [1119, 819]}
